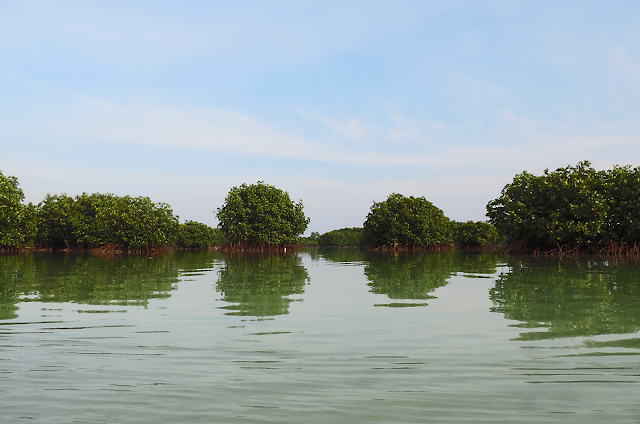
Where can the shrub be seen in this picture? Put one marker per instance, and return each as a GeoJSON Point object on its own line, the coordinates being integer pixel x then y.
{"type": "Point", "coordinates": [342, 237]}
{"type": "Point", "coordinates": [406, 221]}
{"type": "Point", "coordinates": [563, 206]}
{"type": "Point", "coordinates": [312, 240]}
{"type": "Point", "coordinates": [472, 233]}
{"type": "Point", "coordinates": [571, 205]}
{"type": "Point", "coordinates": [95, 220]}
{"type": "Point", "coordinates": [261, 215]}
{"type": "Point", "coordinates": [12, 212]}
{"type": "Point", "coordinates": [193, 234]}
{"type": "Point", "coordinates": [621, 189]}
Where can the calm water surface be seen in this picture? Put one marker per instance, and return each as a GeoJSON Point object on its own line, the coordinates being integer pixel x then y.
{"type": "Point", "coordinates": [325, 336]}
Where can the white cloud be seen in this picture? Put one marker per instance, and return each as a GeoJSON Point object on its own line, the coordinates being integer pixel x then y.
{"type": "Point", "coordinates": [398, 134]}
{"type": "Point", "coordinates": [520, 120]}
{"type": "Point", "coordinates": [351, 128]}
{"type": "Point", "coordinates": [625, 65]}
{"type": "Point", "coordinates": [92, 120]}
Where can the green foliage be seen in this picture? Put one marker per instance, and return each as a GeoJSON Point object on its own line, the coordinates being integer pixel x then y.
{"type": "Point", "coordinates": [193, 234]}
{"type": "Point", "coordinates": [571, 205]}
{"type": "Point", "coordinates": [472, 233]}
{"type": "Point", "coordinates": [261, 215]}
{"type": "Point", "coordinates": [342, 237]}
{"type": "Point", "coordinates": [406, 221]}
{"type": "Point", "coordinates": [312, 240]}
{"type": "Point", "coordinates": [95, 220]}
{"type": "Point", "coordinates": [55, 228]}
{"type": "Point", "coordinates": [622, 190]}
{"type": "Point", "coordinates": [12, 212]}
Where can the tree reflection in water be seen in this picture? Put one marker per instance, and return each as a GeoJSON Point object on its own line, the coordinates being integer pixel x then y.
{"type": "Point", "coordinates": [260, 284]}
{"type": "Point", "coordinates": [579, 298]}
{"type": "Point", "coordinates": [414, 276]}
{"type": "Point", "coordinates": [86, 279]}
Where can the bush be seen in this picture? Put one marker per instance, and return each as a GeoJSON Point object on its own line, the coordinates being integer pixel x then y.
{"type": "Point", "coordinates": [472, 233]}
{"type": "Point", "coordinates": [621, 189]}
{"type": "Point", "coordinates": [342, 237]}
{"type": "Point", "coordinates": [571, 205]}
{"type": "Point", "coordinates": [12, 212]}
{"type": "Point", "coordinates": [193, 234]}
{"type": "Point", "coordinates": [406, 221]}
{"type": "Point", "coordinates": [312, 240]}
{"type": "Point", "coordinates": [261, 215]}
{"type": "Point", "coordinates": [96, 220]}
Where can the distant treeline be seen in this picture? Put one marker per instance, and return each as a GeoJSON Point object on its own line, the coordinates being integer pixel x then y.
{"type": "Point", "coordinates": [95, 221]}
{"type": "Point", "coordinates": [460, 234]}
{"type": "Point", "coordinates": [572, 209]}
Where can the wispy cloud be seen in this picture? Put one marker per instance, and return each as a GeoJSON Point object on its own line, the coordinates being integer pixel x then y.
{"type": "Point", "coordinates": [518, 119]}
{"type": "Point", "coordinates": [351, 128]}
{"type": "Point", "coordinates": [625, 65]}
{"type": "Point", "coordinates": [206, 129]}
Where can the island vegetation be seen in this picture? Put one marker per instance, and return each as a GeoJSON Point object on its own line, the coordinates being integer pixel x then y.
{"type": "Point", "coordinates": [575, 209]}
{"type": "Point", "coordinates": [571, 210]}
{"type": "Point", "coordinates": [260, 216]}
{"type": "Point", "coordinates": [102, 222]}
{"type": "Point", "coordinates": [344, 237]}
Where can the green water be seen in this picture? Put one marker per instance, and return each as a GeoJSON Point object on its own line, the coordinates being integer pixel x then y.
{"type": "Point", "coordinates": [323, 336]}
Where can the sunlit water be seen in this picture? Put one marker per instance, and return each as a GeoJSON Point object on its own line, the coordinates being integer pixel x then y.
{"type": "Point", "coordinates": [324, 336]}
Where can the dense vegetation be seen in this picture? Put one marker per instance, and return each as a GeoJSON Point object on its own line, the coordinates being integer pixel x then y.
{"type": "Point", "coordinates": [95, 221]}
{"type": "Point", "coordinates": [575, 207]}
{"type": "Point", "coordinates": [570, 206]}
{"type": "Point", "coordinates": [12, 212]}
{"type": "Point", "coordinates": [473, 234]}
{"type": "Point", "coordinates": [261, 215]}
{"type": "Point", "coordinates": [342, 237]}
{"type": "Point", "coordinates": [195, 235]}
{"type": "Point", "coordinates": [406, 221]}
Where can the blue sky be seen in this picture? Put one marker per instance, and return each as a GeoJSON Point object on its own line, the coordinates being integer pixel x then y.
{"type": "Point", "coordinates": [340, 103]}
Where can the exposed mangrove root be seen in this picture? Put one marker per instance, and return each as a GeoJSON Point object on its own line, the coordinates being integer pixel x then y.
{"type": "Point", "coordinates": [417, 249]}
{"type": "Point", "coordinates": [611, 249]}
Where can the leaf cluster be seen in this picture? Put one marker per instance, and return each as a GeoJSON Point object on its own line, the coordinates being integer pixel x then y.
{"type": "Point", "coordinates": [473, 234]}
{"type": "Point", "coordinates": [95, 220]}
{"type": "Point", "coordinates": [193, 234]}
{"type": "Point", "coordinates": [572, 205]}
{"type": "Point", "coordinates": [342, 237]}
{"type": "Point", "coordinates": [406, 221]}
{"type": "Point", "coordinates": [12, 212]}
{"type": "Point", "coordinates": [261, 215]}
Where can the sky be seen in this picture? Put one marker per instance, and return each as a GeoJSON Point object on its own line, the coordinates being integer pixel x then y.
{"type": "Point", "coordinates": [339, 103]}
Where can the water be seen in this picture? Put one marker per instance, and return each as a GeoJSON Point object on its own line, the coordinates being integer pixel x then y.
{"type": "Point", "coordinates": [325, 336]}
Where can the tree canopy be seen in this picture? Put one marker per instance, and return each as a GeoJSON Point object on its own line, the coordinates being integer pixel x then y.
{"type": "Point", "coordinates": [261, 215]}
{"type": "Point", "coordinates": [406, 221]}
{"type": "Point", "coordinates": [342, 237]}
{"type": "Point", "coordinates": [473, 234]}
{"type": "Point", "coordinates": [193, 234]}
{"type": "Point", "coordinates": [95, 220]}
{"type": "Point", "coordinates": [572, 205]}
{"type": "Point", "coordinates": [12, 212]}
